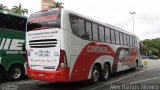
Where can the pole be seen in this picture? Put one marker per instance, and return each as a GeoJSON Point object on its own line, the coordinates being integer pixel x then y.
{"type": "Point", "coordinates": [132, 13]}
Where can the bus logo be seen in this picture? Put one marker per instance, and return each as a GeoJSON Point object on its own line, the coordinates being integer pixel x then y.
{"type": "Point", "coordinates": [11, 44]}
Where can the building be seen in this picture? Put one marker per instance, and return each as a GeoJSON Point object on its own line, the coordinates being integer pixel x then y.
{"type": "Point", "coordinates": [46, 3]}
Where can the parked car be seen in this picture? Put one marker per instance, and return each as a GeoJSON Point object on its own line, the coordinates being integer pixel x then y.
{"type": "Point", "coordinates": [153, 57]}
{"type": "Point", "coordinates": [144, 57]}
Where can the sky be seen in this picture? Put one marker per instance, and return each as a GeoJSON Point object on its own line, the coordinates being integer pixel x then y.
{"type": "Point", "coordinates": [114, 12]}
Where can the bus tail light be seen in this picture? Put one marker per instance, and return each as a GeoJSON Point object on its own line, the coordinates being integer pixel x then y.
{"type": "Point", "coordinates": [27, 64]}
{"type": "Point", "coordinates": [63, 60]}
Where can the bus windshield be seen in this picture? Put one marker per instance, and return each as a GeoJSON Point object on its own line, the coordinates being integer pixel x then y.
{"type": "Point", "coordinates": [13, 22]}
{"type": "Point", "coordinates": [44, 19]}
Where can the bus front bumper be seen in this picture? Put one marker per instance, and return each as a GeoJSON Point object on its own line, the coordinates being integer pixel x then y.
{"type": "Point", "coordinates": [51, 76]}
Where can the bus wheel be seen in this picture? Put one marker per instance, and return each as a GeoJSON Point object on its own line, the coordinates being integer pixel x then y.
{"type": "Point", "coordinates": [95, 75]}
{"type": "Point", "coordinates": [16, 72]}
{"type": "Point", "coordinates": [105, 73]}
{"type": "Point", "coordinates": [2, 75]}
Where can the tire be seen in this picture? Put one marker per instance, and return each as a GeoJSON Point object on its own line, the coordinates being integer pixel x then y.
{"type": "Point", "coordinates": [95, 75]}
{"type": "Point", "coordinates": [15, 73]}
{"type": "Point", "coordinates": [105, 73]}
{"type": "Point", "coordinates": [2, 75]}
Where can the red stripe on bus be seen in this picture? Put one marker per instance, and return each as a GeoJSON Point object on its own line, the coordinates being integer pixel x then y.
{"type": "Point", "coordinates": [86, 59]}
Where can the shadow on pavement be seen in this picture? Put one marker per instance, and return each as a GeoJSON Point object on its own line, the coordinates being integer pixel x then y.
{"type": "Point", "coordinates": [81, 85]}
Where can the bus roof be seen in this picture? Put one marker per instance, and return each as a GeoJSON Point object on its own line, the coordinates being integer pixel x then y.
{"type": "Point", "coordinates": [13, 14]}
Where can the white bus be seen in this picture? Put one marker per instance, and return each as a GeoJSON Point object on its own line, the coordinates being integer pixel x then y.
{"type": "Point", "coordinates": [64, 46]}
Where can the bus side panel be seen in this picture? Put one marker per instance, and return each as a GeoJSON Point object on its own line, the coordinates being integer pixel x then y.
{"type": "Point", "coordinates": [77, 46]}
{"type": "Point", "coordinates": [11, 47]}
{"type": "Point", "coordinates": [84, 54]}
{"type": "Point", "coordinates": [127, 57]}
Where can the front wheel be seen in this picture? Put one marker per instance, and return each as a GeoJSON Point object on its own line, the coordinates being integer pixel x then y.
{"type": "Point", "coordinates": [105, 73]}
{"type": "Point", "coordinates": [95, 75]}
{"type": "Point", "coordinates": [16, 72]}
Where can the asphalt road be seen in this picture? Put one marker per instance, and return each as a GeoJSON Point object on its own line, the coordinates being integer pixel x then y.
{"type": "Point", "coordinates": [146, 78]}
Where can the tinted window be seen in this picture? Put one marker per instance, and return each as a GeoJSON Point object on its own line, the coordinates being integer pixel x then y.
{"type": "Point", "coordinates": [112, 36]}
{"type": "Point", "coordinates": [13, 22]}
{"type": "Point", "coordinates": [117, 37]}
{"type": "Point", "coordinates": [136, 42]}
{"type": "Point", "coordinates": [107, 35]}
{"type": "Point", "coordinates": [101, 33]}
{"type": "Point", "coordinates": [46, 19]}
{"type": "Point", "coordinates": [121, 38]}
{"type": "Point", "coordinates": [88, 31]}
{"type": "Point", "coordinates": [133, 41]}
{"type": "Point", "coordinates": [80, 28]}
{"type": "Point", "coordinates": [125, 39]}
{"type": "Point", "coordinates": [128, 40]}
{"type": "Point", "coordinates": [95, 31]}
{"type": "Point", "coordinates": [74, 23]}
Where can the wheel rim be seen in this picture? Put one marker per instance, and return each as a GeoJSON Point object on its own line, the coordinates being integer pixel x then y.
{"type": "Point", "coordinates": [95, 75]}
{"type": "Point", "coordinates": [106, 73]}
{"type": "Point", "coordinates": [16, 73]}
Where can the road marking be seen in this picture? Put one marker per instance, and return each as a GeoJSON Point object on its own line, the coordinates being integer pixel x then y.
{"type": "Point", "coordinates": [119, 79]}
{"type": "Point", "coordinates": [145, 80]}
{"type": "Point", "coordinates": [27, 82]}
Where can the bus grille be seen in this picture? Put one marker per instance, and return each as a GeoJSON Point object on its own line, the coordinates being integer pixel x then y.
{"type": "Point", "coordinates": [44, 43]}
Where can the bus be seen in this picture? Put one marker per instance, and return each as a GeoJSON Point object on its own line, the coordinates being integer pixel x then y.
{"type": "Point", "coordinates": [12, 38]}
{"type": "Point", "coordinates": [64, 46]}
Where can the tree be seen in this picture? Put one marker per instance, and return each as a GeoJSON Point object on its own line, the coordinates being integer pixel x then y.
{"type": "Point", "coordinates": [19, 10]}
{"type": "Point", "coordinates": [152, 45]}
{"type": "Point", "coordinates": [3, 8]}
{"type": "Point", "coordinates": [56, 5]}
{"type": "Point", "coordinates": [154, 51]}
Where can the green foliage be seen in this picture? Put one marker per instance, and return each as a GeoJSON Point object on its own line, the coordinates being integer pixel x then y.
{"type": "Point", "coordinates": [3, 8]}
{"type": "Point", "coordinates": [56, 5]}
{"type": "Point", "coordinates": [152, 45]}
{"type": "Point", "coordinates": [15, 9]}
{"type": "Point", "coordinates": [19, 10]}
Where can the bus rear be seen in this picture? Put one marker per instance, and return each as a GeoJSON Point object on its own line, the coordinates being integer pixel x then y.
{"type": "Point", "coordinates": [46, 58]}
{"type": "Point", "coordinates": [12, 38]}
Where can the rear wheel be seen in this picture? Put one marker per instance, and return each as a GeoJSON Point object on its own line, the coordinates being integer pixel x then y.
{"type": "Point", "coordinates": [16, 72]}
{"type": "Point", "coordinates": [2, 75]}
{"type": "Point", "coordinates": [95, 75]}
{"type": "Point", "coordinates": [105, 73]}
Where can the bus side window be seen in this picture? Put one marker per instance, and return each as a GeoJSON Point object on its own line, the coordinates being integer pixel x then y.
{"type": "Point", "coordinates": [113, 37]}
{"type": "Point", "coordinates": [107, 35]}
{"type": "Point", "coordinates": [80, 28]}
{"type": "Point", "coordinates": [141, 48]}
{"type": "Point", "coordinates": [101, 33]}
{"type": "Point", "coordinates": [117, 37]}
{"type": "Point", "coordinates": [130, 40]}
{"type": "Point", "coordinates": [73, 23]}
{"type": "Point", "coordinates": [133, 42]}
{"type": "Point", "coordinates": [95, 31]}
{"type": "Point", "coordinates": [125, 39]}
{"type": "Point", "coordinates": [77, 25]}
{"type": "Point", "coordinates": [121, 38]}
{"type": "Point", "coordinates": [88, 31]}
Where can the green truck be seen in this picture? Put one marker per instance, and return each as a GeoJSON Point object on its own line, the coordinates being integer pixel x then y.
{"type": "Point", "coordinates": [12, 39]}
